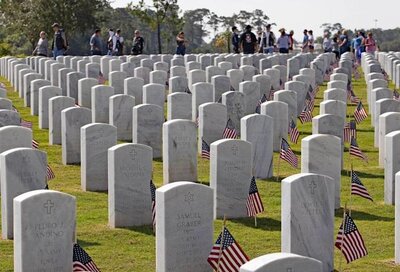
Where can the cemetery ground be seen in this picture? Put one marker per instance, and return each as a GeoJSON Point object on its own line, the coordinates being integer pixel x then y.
{"type": "Point", "coordinates": [133, 249]}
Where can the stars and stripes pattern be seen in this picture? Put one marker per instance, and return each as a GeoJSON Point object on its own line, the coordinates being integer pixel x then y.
{"type": "Point", "coordinates": [310, 101]}
{"type": "Point", "coordinates": [205, 150]}
{"type": "Point", "coordinates": [229, 131]}
{"type": "Point", "coordinates": [49, 173]}
{"type": "Point", "coordinates": [306, 115]}
{"type": "Point", "coordinates": [254, 203]}
{"type": "Point", "coordinates": [25, 123]}
{"type": "Point", "coordinates": [357, 188]}
{"type": "Point", "coordinates": [350, 131]}
{"type": "Point", "coordinates": [396, 95]}
{"type": "Point", "coordinates": [35, 144]}
{"type": "Point", "coordinates": [226, 255]}
{"type": "Point", "coordinates": [153, 203]}
{"type": "Point", "coordinates": [293, 132]}
{"type": "Point", "coordinates": [82, 261]}
{"type": "Point", "coordinates": [352, 96]}
{"type": "Point", "coordinates": [349, 240]}
{"type": "Point", "coordinates": [101, 78]}
{"type": "Point", "coordinates": [359, 113]}
{"type": "Point", "coordinates": [287, 154]}
{"type": "Point", "coordinates": [262, 100]}
{"type": "Point", "coordinates": [356, 151]}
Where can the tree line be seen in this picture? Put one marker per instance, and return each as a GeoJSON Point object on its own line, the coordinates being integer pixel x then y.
{"type": "Point", "coordinates": [22, 20]}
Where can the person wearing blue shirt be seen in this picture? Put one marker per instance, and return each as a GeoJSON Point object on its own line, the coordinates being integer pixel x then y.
{"type": "Point", "coordinates": [304, 47]}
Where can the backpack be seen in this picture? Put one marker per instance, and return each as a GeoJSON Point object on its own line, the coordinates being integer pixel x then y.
{"type": "Point", "coordinates": [110, 42]}
{"type": "Point", "coordinates": [66, 40]}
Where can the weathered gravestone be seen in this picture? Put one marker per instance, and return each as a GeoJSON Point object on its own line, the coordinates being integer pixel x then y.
{"type": "Point", "coordinates": [96, 139]}
{"type": "Point", "coordinates": [35, 86]}
{"type": "Point", "coordinates": [44, 231]}
{"type": "Point", "coordinates": [308, 217]}
{"type": "Point", "coordinates": [72, 119]}
{"type": "Point", "coordinates": [179, 151]}
{"type": "Point", "coordinates": [100, 96]}
{"type": "Point", "coordinates": [279, 113]}
{"type": "Point", "coordinates": [257, 129]}
{"type": "Point", "coordinates": [179, 106]}
{"type": "Point", "coordinates": [212, 121]}
{"type": "Point", "coordinates": [282, 262]}
{"type": "Point", "coordinates": [230, 176]}
{"type": "Point", "coordinates": [121, 115]}
{"type": "Point", "coordinates": [322, 154]}
{"type": "Point", "coordinates": [85, 91]}
{"type": "Point", "coordinates": [72, 84]}
{"type": "Point", "coordinates": [9, 117]}
{"type": "Point", "coordinates": [134, 86]}
{"type": "Point", "coordinates": [388, 122]}
{"type": "Point", "coordinates": [202, 92]}
{"type": "Point", "coordinates": [117, 81]}
{"type": "Point", "coordinates": [45, 93]}
{"type": "Point", "coordinates": [147, 122]}
{"type": "Point", "coordinates": [154, 94]}
{"type": "Point", "coordinates": [16, 180]}
{"type": "Point", "coordinates": [236, 108]}
{"type": "Point", "coordinates": [184, 229]}
{"type": "Point", "coordinates": [56, 105]}
{"type": "Point", "coordinates": [129, 175]}
{"type": "Point", "coordinates": [392, 166]}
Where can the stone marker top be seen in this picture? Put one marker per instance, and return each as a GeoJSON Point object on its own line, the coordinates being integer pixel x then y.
{"type": "Point", "coordinates": [282, 262]}
{"type": "Point", "coordinates": [48, 206]}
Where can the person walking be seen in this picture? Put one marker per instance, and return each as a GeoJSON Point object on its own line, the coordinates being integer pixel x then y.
{"type": "Point", "coordinates": [96, 43]}
{"type": "Point", "coordinates": [310, 41]}
{"type": "Point", "coordinates": [42, 47]}
{"type": "Point", "coordinates": [248, 41]}
{"type": "Point", "coordinates": [235, 40]}
{"type": "Point", "coordinates": [291, 40]}
{"type": "Point", "coordinates": [137, 44]}
{"type": "Point", "coordinates": [111, 42]}
{"type": "Point", "coordinates": [119, 43]}
{"type": "Point", "coordinates": [59, 45]}
{"type": "Point", "coordinates": [181, 44]}
{"type": "Point", "coordinates": [304, 47]}
{"type": "Point", "coordinates": [370, 44]}
{"type": "Point", "coordinates": [283, 42]}
{"type": "Point", "coordinates": [327, 43]}
{"type": "Point", "coordinates": [267, 43]}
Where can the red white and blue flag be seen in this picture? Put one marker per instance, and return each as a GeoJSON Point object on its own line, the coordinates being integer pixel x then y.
{"type": "Point", "coordinates": [357, 188]}
{"type": "Point", "coordinates": [205, 150]}
{"type": "Point", "coordinates": [350, 131]}
{"type": "Point", "coordinates": [356, 151]}
{"type": "Point", "coordinates": [82, 261]}
{"type": "Point", "coordinates": [359, 113]}
{"type": "Point", "coordinates": [229, 131]}
{"type": "Point", "coordinates": [287, 154]}
{"type": "Point", "coordinates": [293, 132]}
{"type": "Point", "coordinates": [254, 203]}
{"type": "Point", "coordinates": [153, 203]}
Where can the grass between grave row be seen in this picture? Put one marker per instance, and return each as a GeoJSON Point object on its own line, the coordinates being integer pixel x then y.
{"type": "Point", "coordinates": [133, 249]}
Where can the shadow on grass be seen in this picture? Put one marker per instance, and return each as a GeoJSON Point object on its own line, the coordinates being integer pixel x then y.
{"type": "Point", "coordinates": [84, 243]}
{"type": "Point", "coordinates": [263, 223]}
{"type": "Point", "coordinates": [148, 230]}
{"type": "Point", "coordinates": [158, 160]}
{"type": "Point", "coordinates": [364, 216]}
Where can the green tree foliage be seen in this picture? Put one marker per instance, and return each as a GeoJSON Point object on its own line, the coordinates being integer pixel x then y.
{"type": "Point", "coordinates": [161, 13]}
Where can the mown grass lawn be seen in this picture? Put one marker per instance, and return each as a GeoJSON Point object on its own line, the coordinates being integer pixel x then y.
{"type": "Point", "coordinates": [133, 249]}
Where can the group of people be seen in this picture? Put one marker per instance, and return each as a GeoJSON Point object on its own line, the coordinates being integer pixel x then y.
{"type": "Point", "coordinates": [265, 41]}
{"type": "Point", "coordinates": [341, 43]}
{"type": "Point", "coordinates": [114, 46]}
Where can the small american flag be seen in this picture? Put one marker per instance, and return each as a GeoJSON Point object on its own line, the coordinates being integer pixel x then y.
{"type": "Point", "coordinates": [306, 115]}
{"type": "Point", "coordinates": [287, 154]}
{"type": "Point", "coordinates": [310, 101]}
{"type": "Point", "coordinates": [352, 97]}
{"type": "Point", "coordinates": [262, 100]}
{"type": "Point", "coordinates": [35, 144]}
{"type": "Point", "coordinates": [350, 131]}
{"type": "Point", "coordinates": [359, 113]}
{"type": "Point", "coordinates": [153, 203]}
{"type": "Point", "coordinates": [254, 203]}
{"type": "Point", "coordinates": [350, 241]}
{"type": "Point", "coordinates": [101, 78]}
{"type": "Point", "coordinates": [26, 124]}
{"type": "Point", "coordinates": [357, 188]}
{"type": "Point", "coordinates": [82, 261]}
{"type": "Point", "coordinates": [197, 122]}
{"type": "Point", "coordinates": [396, 95]}
{"type": "Point", "coordinates": [49, 173]}
{"type": "Point", "coordinates": [226, 255]}
{"type": "Point", "coordinates": [229, 131]}
{"type": "Point", "coordinates": [356, 151]}
{"type": "Point", "coordinates": [293, 132]}
{"type": "Point", "coordinates": [205, 150]}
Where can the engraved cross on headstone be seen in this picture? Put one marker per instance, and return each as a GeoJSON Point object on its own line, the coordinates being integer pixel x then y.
{"type": "Point", "coordinates": [235, 150]}
{"type": "Point", "coordinates": [48, 205]}
{"type": "Point", "coordinates": [312, 186]}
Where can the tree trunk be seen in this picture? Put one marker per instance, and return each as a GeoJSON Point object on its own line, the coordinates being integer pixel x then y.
{"type": "Point", "coordinates": [159, 38]}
